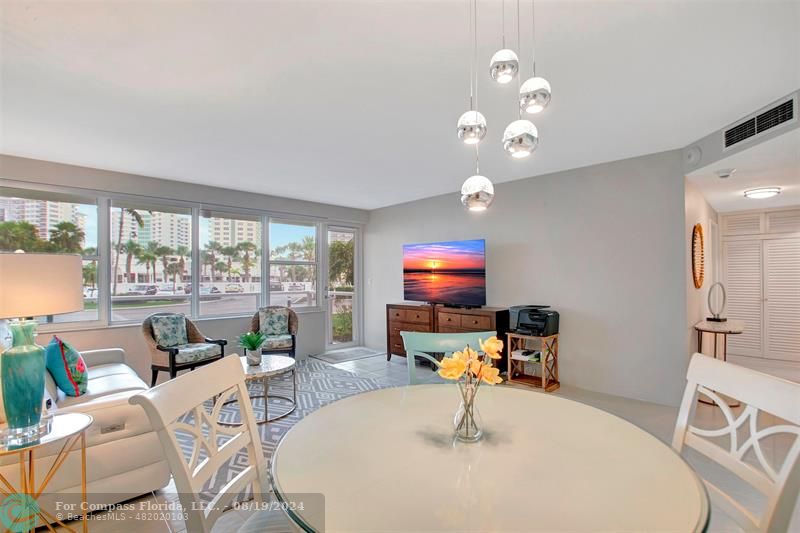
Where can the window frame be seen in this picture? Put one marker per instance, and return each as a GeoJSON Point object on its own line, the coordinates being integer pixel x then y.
{"type": "Point", "coordinates": [105, 202]}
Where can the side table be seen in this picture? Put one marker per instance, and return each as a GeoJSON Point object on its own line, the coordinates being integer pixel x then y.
{"type": "Point", "coordinates": [69, 428]}
{"type": "Point", "coordinates": [729, 327]}
{"type": "Point", "coordinates": [548, 360]}
{"type": "Point", "coordinates": [271, 365]}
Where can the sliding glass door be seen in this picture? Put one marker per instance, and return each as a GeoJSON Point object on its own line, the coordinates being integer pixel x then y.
{"type": "Point", "coordinates": [341, 291]}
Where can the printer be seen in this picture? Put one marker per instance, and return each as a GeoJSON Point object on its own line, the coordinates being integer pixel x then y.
{"type": "Point", "coordinates": [535, 320]}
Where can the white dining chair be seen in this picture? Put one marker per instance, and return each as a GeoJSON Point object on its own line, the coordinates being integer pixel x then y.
{"type": "Point", "coordinates": [191, 404]}
{"type": "Point", "coordinates": [758, 392]}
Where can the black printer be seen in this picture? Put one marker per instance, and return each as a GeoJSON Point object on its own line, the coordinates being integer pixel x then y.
{"type": "Point", "coordinates": [535, 320]}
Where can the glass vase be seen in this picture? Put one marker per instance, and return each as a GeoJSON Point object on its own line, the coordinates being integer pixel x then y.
{"type": "Point", "coordinates": [22, 373]}
{"type": "Point", "coordinates": [467, 421]}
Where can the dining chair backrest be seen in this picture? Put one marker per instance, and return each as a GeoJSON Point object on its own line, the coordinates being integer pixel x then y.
{"type": "Point", "coordinates": [188, 408]}
{"type": "Point", "coordinates": [758, 393]}
{"type": "Point", "coordinates": [423, 344]}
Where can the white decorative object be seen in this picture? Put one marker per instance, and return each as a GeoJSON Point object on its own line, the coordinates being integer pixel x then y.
{"type": "Point", "coordinates": [471, 127]}
{"type": "Point", "coordinates": [534, 95]}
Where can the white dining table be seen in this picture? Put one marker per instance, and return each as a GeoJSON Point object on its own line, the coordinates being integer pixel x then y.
{"type": "Point", "coordinates": [386, 461]}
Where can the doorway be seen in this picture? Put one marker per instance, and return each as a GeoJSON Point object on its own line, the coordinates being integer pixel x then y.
{"type": "Point", "coordinates": [341, 290]}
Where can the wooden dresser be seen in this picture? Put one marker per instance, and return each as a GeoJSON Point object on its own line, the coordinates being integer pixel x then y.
{"type": "Point", "coordinates": [441, 319]}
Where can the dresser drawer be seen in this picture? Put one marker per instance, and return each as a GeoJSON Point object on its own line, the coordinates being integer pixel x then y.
{"type": "Point", "coordinates": [449, 329]}
{"type": "Point", "coordinates": [398, 315]}
{"type": "Point", "coordinates": [450, 320]}
{"type": "Point", "coordinates": [476, 323]}
{"type": "Point", "coordinates": [396, 327]}
{"type": "Point", "coordinates": [418, 317]}
{"type": "Point", "coordinates": [396, 344]}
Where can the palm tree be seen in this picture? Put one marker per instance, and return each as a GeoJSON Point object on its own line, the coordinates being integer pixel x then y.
{"type": "Point", "coordinates": [213, 248]}
{"type": "Point", "coordinates": [19, 236]}
{"type": "Point", "coordinates": [139, 220]}
{"type": "Point", "coordinates": [230, 252]}
{"type": "Point", "coordinates": [220, 266]}
{"type": "Point", "coordinates": [146, 258]}
{"type": "Point", "coordinates": [247, 262]}
{"type": "Point", "coordinates": [132, 249]}
{"type": "Point", "coordinates": [182, 252]}
{"type": "Point", "coordinates": [151, 248]}
{"type": "Point", "coordinates": [163, 252]}
{"type": "Point", "coordinates": [67, 238]}
{"type": "Point", "coordinates": [174, 269]}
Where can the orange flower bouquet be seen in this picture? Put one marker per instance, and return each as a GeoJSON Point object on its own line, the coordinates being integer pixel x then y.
{"type": "Point", "coordinates": [469, 369]}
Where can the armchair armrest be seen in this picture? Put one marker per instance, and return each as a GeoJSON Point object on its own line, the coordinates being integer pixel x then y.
{"type": "Point", "coordinates": [171, 351]}
{"type": "Point", "coordinates": [104, 356]}
{"type": "Point", "coordinates": [221, 342]}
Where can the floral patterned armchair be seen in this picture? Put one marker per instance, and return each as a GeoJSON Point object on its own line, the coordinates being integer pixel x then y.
{"type": "Point", "coordinates": [279, 326]}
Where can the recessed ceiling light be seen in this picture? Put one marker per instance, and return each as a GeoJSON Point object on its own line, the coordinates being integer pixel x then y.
{"type": "Point", "coordinates": [762, 192]}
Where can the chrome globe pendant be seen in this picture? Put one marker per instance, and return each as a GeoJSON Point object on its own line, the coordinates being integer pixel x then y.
{"type": "Point", "coordinates": [504, 66]}
{"type": "Point", "coordinates": [520, 138]}
{"type": "Point", "coordinates": [471, 127]}
{"type": "Point", "coordinates": [534, 95]}
{"type": "Point", "coordinates": [477, 193]}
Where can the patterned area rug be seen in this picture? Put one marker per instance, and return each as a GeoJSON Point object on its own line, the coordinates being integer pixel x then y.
{"type": "Point", "coordinates": [347, 354]}
{"type": "Point", "coordinates": [318, 384]}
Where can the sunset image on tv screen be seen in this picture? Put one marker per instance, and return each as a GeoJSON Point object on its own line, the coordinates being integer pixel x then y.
{"type": "Point", "coordinates": [445, 272]}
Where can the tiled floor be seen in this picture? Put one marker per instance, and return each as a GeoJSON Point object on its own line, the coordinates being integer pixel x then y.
{"type": "Point", "coordinates": [656, 419]}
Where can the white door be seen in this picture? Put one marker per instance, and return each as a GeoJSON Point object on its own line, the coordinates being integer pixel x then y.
{"type": "Point", "coordinates": [341, 288]}
{"type": "Point", "coordinates": [744, 291]}
{"type": "Point", "coordinates": [782, 299]}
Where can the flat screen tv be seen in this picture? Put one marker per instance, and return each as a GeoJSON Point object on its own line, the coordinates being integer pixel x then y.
{"type": "Point", "coordinates": [450, 273]}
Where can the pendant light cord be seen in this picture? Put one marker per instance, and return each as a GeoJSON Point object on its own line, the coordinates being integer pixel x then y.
{"type": "Point", "coordinates": [519, 74]}
{"type": "Point", "coordinates": [471, 68]}
{"type": "Point", "coordinates": [475, 62]}
{"type": "Point", "coordinates": [533, 36]}
{"type": "Point", "coordinates": [503, 19]}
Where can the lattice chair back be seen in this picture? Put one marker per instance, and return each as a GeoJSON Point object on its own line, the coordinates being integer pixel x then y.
{"type": "Point", "coordinates": [743, 454]}
{"type": "Point", "coordinates": [191, 405]}
{"type": "Point", "coordinates": [423, 344]}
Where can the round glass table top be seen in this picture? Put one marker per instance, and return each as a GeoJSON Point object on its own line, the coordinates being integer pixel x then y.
{"type": "Point", "coordinates": [545, 463]}
{"type": "Point", "coordinates": [271, 365]}
{"type": "Point", "coordinates": [53, 429]}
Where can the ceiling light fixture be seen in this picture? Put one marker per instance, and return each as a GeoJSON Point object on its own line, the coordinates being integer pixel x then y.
{"type": "Point", "coordinates": [521, 137]}
{"type": "Point", "coordinates": [504, 64]}
{"type": "Point", "coordinates": [724, 173]}
{"type": "Point", "coordinates": [471, 126]}
{"type": "Point", "coordinates": [535, 93]}
{"type": "Point", "coordinates": [761, 193]}
{"type": "Point", "coordinates": [477, 192]}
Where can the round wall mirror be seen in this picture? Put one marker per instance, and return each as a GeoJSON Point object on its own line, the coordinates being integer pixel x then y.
{"type": "Point", "coordinates": [698, 260]}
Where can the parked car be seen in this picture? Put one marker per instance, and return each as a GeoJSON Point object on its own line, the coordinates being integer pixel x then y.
{"type": "Point", "coordinates": [204, 289]}
{"type": "Point", "coordinates": [276, 286]}
{"type": "Point", "coordinates": [234, 287]}
{"type": "Point", "coordinates": [90, 292]}
{"type": "Point", "coordinates": [142, 290]}
{"type": "Point", "coordinates": [166, 289]}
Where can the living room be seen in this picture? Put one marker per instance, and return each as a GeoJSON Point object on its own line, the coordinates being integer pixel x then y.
{"type": "Point", "coordinates": [160, 169]}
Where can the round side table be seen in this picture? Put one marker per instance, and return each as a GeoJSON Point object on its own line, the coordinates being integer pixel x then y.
{"type": "Point", "coordinates": [271, 365]}
{"type": "Point", "coordinates": [729, 327]}
{"type": "Point", "coordinates": [69, 428]}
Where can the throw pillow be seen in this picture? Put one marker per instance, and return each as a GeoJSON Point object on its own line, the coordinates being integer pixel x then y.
{"type": "Point", "coordinates": [67, 367]}
{"type": "Point", "coordinates": [169, 330]}
{"type": "Point", "coordinates": [274, 321]}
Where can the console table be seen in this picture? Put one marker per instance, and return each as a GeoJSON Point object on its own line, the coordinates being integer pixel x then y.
{"type": "Point", "coordinates": [440, 319]}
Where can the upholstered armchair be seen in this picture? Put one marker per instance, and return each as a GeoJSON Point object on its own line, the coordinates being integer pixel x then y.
{"type": "Point", "coordinates": [176, 344]}
{"type": "Point", "coordinates": [279, 326]}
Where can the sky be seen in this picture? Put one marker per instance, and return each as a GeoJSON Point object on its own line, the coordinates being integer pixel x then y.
{"type": "Point", "coordinates": [458, 255]}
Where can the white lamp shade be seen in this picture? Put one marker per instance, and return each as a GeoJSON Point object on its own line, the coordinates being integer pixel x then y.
{"type": "Point", "coordinates": [40, 284]}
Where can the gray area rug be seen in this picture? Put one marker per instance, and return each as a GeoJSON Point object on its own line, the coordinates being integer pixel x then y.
{"type": "Point", "coordinates": [347, 354]}
{"type": "Point", "coordinates": [318, 384]}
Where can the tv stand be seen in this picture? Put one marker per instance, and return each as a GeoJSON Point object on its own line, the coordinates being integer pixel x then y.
{"type": "Point", "coordinates": [441, 319]}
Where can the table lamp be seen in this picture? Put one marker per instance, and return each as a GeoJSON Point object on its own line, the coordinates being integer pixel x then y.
{"type": "Point", "coordinates": [32, 285]}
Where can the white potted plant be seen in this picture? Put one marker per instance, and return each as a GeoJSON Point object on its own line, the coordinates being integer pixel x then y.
{"type": "Point", "coordinates": [251, 343]}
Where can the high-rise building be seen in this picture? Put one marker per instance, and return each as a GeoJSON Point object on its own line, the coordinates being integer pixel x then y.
{"type": "Point", "coordinates": [42, 214]}
{"type": "Point", "coordinates": [232, 232]}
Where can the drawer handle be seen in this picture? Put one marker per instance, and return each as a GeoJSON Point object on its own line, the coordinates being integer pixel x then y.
{"type": "Point", "coordinates": [474, 321]}
{"type": "Point", "coordinates": [449, 319]}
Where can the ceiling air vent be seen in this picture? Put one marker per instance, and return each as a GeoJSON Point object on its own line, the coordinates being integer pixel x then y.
{"type": "Point", "coordinates": [760, 123]}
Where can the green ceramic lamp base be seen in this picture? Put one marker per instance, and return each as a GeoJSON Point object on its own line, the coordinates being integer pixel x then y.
{"type": "Point", "coordinates": [22, 369]}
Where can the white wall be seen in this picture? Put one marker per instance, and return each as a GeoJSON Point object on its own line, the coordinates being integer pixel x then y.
{"type": "Point", "coordinates": [698, 211]}
{"type": "Point", "coordinates": [604, 245]}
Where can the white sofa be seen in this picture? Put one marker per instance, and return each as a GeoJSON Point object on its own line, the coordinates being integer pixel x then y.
{"type": "Point", "coordinates": [124, 457]}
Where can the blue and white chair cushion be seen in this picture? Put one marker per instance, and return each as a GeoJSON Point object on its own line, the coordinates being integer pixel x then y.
{"type": "Point", "coordinates": [193, 352]}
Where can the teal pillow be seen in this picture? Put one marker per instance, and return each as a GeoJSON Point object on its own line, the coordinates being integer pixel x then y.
{"type": "Point", "coordinates": [169, 330]}
{"type": "Point", "coordinates": [67, 367]}
{"type": "Point", "coordinates": [273, 321]}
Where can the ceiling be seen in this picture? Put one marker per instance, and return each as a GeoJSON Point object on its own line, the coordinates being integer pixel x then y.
{"type": "Point", "coordinates": [355, 103]}
{"type": "Point", "coordinates": [775, 162]}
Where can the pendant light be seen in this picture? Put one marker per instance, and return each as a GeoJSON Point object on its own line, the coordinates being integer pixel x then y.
{"type": "Point", "coordinates": [521, 137]}
{"type": "Point", "coordinates": [504, 64]}
{"type": "Point", "coordinates": [471, 127]}
{"type": "Point", "coordinates": [535, 93]}
{"type": "Point", "coordinates": [477, 192]}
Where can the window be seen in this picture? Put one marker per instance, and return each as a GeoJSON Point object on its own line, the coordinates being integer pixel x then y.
{"type": "Point", "coordinates": [292, 264]}
{"type": "Point", "coordinates": [36, 221]}
{"type": "Point", "coordinates": [151, 254]}
{"type": "Point", "coordinates": [230, 263]}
